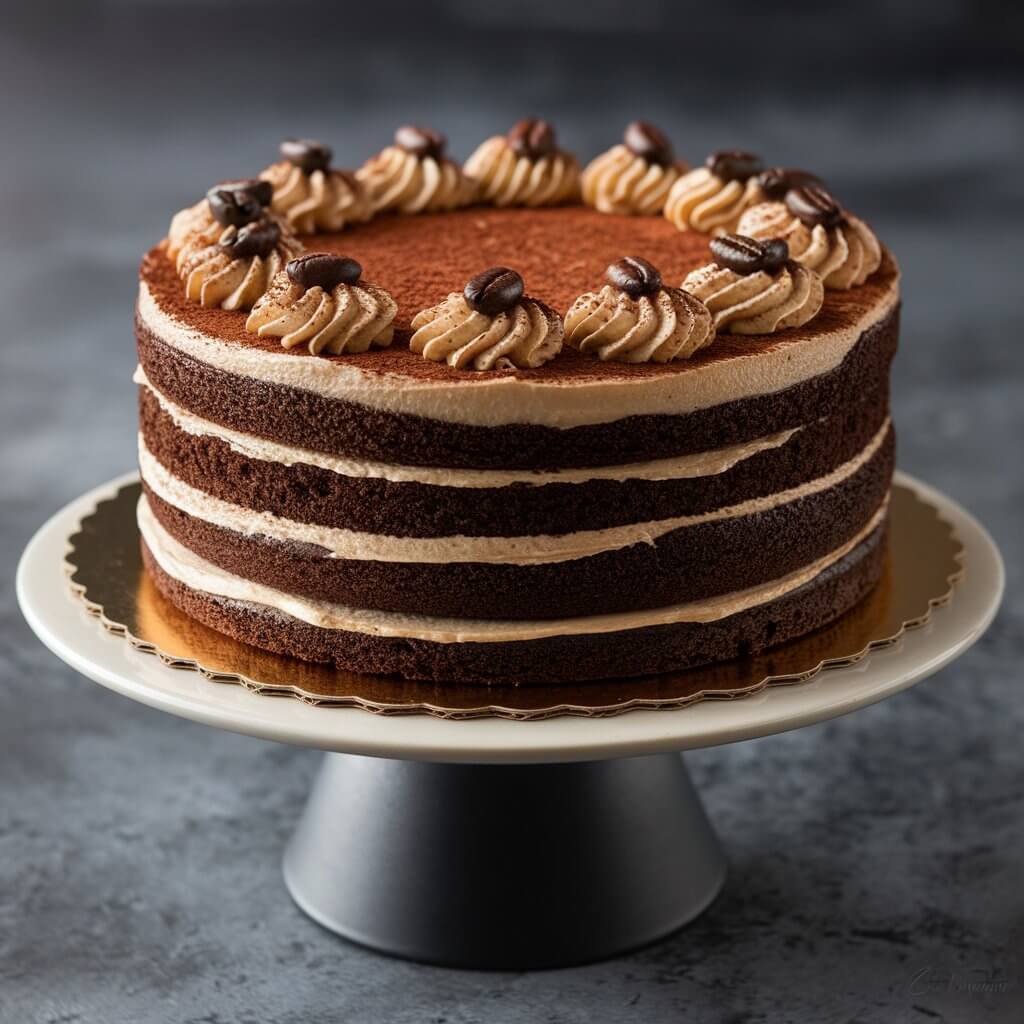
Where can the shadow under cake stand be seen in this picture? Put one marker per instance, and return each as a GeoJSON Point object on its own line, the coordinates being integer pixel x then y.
{"type": "Point", "coordinates": [492, 842]}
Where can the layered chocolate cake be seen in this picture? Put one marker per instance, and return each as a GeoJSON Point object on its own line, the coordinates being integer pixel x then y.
{"type": "Point", "coordinates": [516, 420]}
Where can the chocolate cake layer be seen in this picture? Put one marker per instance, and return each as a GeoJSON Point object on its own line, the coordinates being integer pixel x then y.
{"type": "Point", "coordinates": [690, 563]}
{"type": "Point", "coordinates": [308, 420]}
{"type": "Point", "coordinates": [550, 660]}
{"type": "Point", "coordinates": [311, 494]}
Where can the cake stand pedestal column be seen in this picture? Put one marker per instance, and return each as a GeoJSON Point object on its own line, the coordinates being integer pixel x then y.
{"type": "Point", "coordinates": [511, 866]}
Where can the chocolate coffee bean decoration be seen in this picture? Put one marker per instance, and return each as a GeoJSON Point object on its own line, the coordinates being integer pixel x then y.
{"type": "Point", "coordinates": [775, 182]}
{"type": "Point", "coordinates": [812, 205]}
{"type": "Point", "coordinates": [749, 255]}
{"type": "Point", "coordinates": [323, 270]}
{"type": "Point", "coordinates": [494, 291]}
{"type": "Point", "coordinates": [634, 276]}
{"type": "Point", "coordinates": [642, 139]}
{"type": "Point", "coordinates": [257, 238]}
{"type": "Point", "coordinates": [733, 164]}
{"type": "Point", "coordinates": [306, 154]}
{"type": "Point", "coordinates": [775, 254]}
{"type": "Point", "coordinates": [237, 202]}
{"type": "Point", "coordinates": [531, 138]}
{"type": "Point", "coordinates": [421, 142]}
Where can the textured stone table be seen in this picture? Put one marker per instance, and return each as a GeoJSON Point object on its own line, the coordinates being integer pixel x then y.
{"type": "Point", "coordinates": [876, 868]}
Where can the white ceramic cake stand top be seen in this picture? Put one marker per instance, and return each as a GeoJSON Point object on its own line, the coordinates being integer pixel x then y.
{"type": "Point", "coordinates": [63, 624]}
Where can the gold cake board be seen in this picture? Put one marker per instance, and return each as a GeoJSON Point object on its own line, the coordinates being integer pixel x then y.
{"type": "Point", "coordinates": [923, 562]}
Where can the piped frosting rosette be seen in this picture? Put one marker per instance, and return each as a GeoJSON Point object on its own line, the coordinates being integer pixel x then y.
{"type": "Point", "coordinates": [414, 176]}
{"type": "Point", "coordinates": [490, 325]}
{"type": "Point", "coordinates": [319, 301]}
{"type": "Point", "coordinates": [230, 203]}
{"type": "Point", "coordinates": [753, 287]}
{"type": "Point", "coordinates": [310, 194]}
{"type": "Point", "coordinates": [635, 318]}
{"type": "Point", "coordinates": [236, 269]}
{"type": "Point", "coordinates": [841, 248]}
{"type": "Point", "coordinates": [634, 177]}
{"type": "Point", "coordinates": [524, 168]}
{"type": "Point", "coordinates": [712, 198]}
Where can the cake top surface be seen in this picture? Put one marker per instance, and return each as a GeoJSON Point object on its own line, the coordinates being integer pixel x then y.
{"type": "Point", "coordinates": [561, 252]}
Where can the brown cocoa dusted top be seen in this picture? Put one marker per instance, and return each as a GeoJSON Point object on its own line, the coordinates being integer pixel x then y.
{"type": "Point", "coordinates": [634, 276]}
{"type": "Point", "coordinates": [308, 155]}
{"type": "Point", "coordinates": [749, 255]}
{"type": "Point", "coordinates": [733, 164]}
{"type": "Point", "coordinates": [420, 142]}
{"type": "Point", "coordinates": [493, 291]}
{"type": "Point", "coordinates": [323, 270]}
{"type": "Point", "coordinates": [812, 205]}
{"type": "Point", "coordinates": [532, 137]}
{"type": "Point", "coordinates": [649, 143]}
{"type": "Point", "coordinates": [775, 182]}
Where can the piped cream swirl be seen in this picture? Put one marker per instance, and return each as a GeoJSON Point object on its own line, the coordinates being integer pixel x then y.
{"type": "Point", "coordinates": [647, 329]}
{"type": "Point", "coordinates": [213, 277]}
{"type": "Point", "coordinates": [523, 337]}
{"type": "Point", "coordinates": [319, 200]}
{"type": "Point", "coordinates": [758, 303]}
{"type": "Point", "coordinates": [403, 182]}
{"type": "Point", "coordinates": [194, 222]}
{"type": "Point", "coordinates": [506, 178]}
{"type": "Point", "coordinates": [702, 201]}
{"type": "Point", "coordinates": [619, 181]}
{"type": "Point", "coordinates": [844, 256]}
{"type": "Point", "coordinates": [345, 318]}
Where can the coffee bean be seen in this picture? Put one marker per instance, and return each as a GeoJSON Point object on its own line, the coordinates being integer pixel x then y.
{"type": "Point", "coordinates": [235, 203]}
{"type": "Point", "coordinates": [323, 270]}
{"type": "Point", "coordinates": [421, 142]}
{"type": "Point", "coordinates": [532, 138]}
{"type": "Point", "coordinates": [812, 205]}
{"type": "Point", "coordinates": [775, 254]}
{"type": "Point", "coordinates": [257, 238]}
{"type": "Point", "coordinates": [494, 291]}
{"type": "Point", "coordinates": [642, 139]}
{"type": "Point", "coordinates": [306, 154]}
{"type": "Point", "coordinates": [634, 276]}
{"type": "Point", "coordinates": [775, 182]}
{"type": "Point", "coordinates": [733, 164]}
{"type": "Point", "coordinates": [749, 255]}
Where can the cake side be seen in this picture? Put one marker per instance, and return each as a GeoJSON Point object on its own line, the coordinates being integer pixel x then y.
{"type": "Point", "coordinates": [352, 460]}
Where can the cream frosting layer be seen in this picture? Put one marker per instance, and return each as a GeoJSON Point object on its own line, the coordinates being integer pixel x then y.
{"type": "Point", "coordinates": [189, 569]}
{"type": "Point", "coordinates": [517, 550]}
{"type": "Point", "coordinates": [250, 446]}
{"type": "Point", "coordinates": [508, 399]}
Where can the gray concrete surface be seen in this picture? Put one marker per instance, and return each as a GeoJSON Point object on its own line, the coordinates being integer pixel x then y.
{"type": "Point", "coordinates": [877, 871]}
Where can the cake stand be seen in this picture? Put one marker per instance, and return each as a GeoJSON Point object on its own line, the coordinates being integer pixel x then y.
{"type": "Point", "coordinates": [493, 842]}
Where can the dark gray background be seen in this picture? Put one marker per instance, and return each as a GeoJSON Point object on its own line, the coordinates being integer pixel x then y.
{"type": "Point", "coordinates": [139, 854]}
